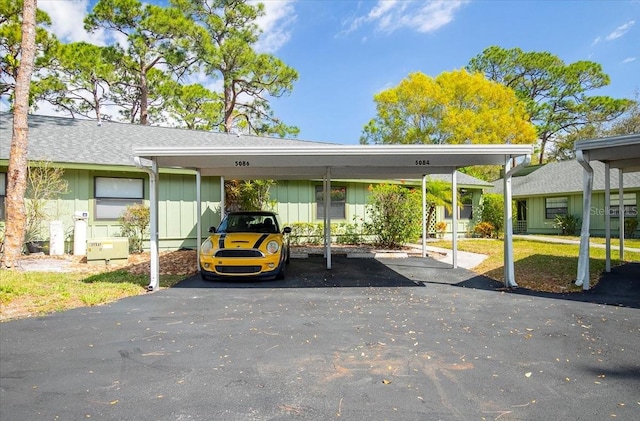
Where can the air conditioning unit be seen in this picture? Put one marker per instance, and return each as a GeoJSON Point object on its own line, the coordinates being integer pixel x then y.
{"type": "Point", "coordinates": [108, 250]}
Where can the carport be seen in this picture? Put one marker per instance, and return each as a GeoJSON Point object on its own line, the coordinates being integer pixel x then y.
{"type": "Point", "coordinates": [622, 153]}
{"type": "Point", "coordinates": [331, 162]}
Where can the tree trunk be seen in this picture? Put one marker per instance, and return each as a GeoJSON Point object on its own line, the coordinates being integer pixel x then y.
{"type": "Point", "coordinates": [18, 165]}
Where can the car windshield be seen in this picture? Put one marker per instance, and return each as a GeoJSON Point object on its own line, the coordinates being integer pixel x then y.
{"type": "Point", "coordinates": [239, 222]}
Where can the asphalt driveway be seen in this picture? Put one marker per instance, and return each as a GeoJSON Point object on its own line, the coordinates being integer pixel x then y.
{"type": "Point", "coordinates": [398, 339]}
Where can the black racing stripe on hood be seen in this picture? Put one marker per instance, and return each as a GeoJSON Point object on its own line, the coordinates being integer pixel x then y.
{"type": "Point", "coordinates": [221, 241]}
{"type": "Point", "coordinates": [260, 241]}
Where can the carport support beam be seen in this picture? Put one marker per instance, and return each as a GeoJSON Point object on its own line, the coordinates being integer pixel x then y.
{"type": "Point", "coordinates": [454, 218]}
{"type": "Point", "coordinates": [621, 212]}
{"type": "Point", "coordinates": [509, 267]}
{"type": "Point", "coordinates": [327, 217]}
{"type": "Point", "coordinates": [587, 187]}
{"type": "Point", "coordinates": [199, 216]}
{"type": "Point", "coordinates": [607, 216]}
{"type": "Point", "coordinates": [424, 215]}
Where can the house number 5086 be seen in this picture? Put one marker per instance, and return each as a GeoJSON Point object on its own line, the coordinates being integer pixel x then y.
{"type": "Point", "coordinates": [242, 163]}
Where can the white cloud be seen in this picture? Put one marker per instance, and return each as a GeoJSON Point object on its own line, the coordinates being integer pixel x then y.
{"type": "Point", "coordinates": [67, 21]}
{"type": "Point", "coordinates": [391, 15]}
{"type": "Point", "coordinates": [620, 31]}
{"type": "Point", "coordinates": [276, 24]}
{"type": "Point", "coordinates": [628, 60]}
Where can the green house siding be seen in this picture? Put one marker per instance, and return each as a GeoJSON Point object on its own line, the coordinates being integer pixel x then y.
{"type": "Point", "coordinates": [538, 224]}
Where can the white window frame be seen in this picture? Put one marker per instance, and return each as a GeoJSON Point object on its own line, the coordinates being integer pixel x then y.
{"type": "Point", "coordinates": [3, 195]}
{"type": "Point", "coordinates": [112, 199]}
{"type": "Point", "coordinates": [629, 201]}
{"type": "Point", "coordinates": [338, 208]}
{"type": "Point", "coordinates": [556, 200]}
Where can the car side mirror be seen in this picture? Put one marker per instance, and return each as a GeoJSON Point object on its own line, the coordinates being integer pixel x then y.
{"type": "Point", "coordinates": [212, 230]}
{"type": "Point", "coordinates": [287, 230]}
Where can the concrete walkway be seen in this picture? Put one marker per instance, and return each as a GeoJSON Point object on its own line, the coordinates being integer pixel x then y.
{"type": "Point", "coordinates": [567, 241]}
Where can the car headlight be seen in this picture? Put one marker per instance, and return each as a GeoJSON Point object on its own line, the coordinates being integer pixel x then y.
{"type": "Point", "coordinates": [273, 246]}
{"type": "Point", "coordinates": [206, 246]}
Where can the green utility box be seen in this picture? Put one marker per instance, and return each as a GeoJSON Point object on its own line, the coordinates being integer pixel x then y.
{"type": "Point", "coordinates": [108, 250]}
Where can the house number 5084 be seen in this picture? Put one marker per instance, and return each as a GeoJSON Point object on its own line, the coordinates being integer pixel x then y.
{"type": "Point", "coordinates": [242, 163]}
{"type": "Point", "coordinates": [422, 162]}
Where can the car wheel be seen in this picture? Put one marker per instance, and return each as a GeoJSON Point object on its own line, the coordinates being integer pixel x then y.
{"type": "Point", "coordinates": [288, 258]}
{"type": "Point", "coordinates": [281, 274]}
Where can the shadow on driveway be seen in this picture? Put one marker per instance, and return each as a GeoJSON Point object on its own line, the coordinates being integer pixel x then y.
{"type": "Point", "coordinates": [620, 287]}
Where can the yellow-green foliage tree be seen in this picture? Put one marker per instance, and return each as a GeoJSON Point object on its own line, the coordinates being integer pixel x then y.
{"type": "Point", "coordinates": [453, 108]}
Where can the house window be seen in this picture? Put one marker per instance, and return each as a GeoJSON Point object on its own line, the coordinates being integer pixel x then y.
{"type": "Point", "coordinates": [3, 194]}
{"type": "Point", "coordinates": [629, 203]}
{"type": "Point", "coordinates": [555, 206]}
{"type": "Point", "coordinates": [338, 202]}
{"type": "Point", "coordinates": [113, 195]}
{"type": "Point", "coordinates": [466, 210]}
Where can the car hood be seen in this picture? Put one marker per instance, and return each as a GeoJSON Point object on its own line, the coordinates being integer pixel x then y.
{"type": "Point", "coordinates": [247, 240]}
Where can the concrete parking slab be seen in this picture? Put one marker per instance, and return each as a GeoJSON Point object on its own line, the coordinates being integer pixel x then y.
{"type": "Point", "coordinates": [400, 339]}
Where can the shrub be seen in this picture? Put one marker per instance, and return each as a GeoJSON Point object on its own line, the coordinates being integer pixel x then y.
{"type": "Point", "coordinates": [395, 215]}
{"type": "Point", "coordinates": [484, 230]}
{"type": "Point", "coordinates": [492, 211]}
{"type": "Point", "coordinates": [134, 223]}
{"type": "Point", "coordinates": [630, 226]}
{"type": "Point", "coordinates": [441, 228]}
{"type": "Point", "coordinates": [568, 224]}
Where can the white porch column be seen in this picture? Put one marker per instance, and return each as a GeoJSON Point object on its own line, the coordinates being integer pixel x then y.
{"type": "Point", "coordinates": [454, 218]}
{"type": "Point", "coordinates": [424, 215]}
{"type": "Point", "coordinates": [587, 188]}
{"type": "Point", "coordinates": [607, 216]}
{"type": "Point", "coordinates": [621, 210]}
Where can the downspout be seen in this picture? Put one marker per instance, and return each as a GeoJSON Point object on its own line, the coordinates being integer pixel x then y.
{"type": "Point", "coordinates": [454, 218]}
{"type": "Point", "coordinates": [587, 187]}
{"type": "Point", "coordinates": [327, 217]}
{"type": "Point", "coordinates": [154, 263]}
{"type": "Point", "coordinates": [509, 269]}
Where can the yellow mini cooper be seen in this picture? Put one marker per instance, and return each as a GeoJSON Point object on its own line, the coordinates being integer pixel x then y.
{"type": "Point", "coordinates": [245, 244]}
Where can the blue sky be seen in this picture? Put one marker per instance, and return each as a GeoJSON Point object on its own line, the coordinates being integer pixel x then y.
{"type": "Point", "coordinates": [346, 51]}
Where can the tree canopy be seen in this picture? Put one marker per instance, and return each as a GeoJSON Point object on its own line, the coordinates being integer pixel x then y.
{"type": "Point", "coordinates": [455, 107]}
{"type": "Point", "coordinates": [555, 93]}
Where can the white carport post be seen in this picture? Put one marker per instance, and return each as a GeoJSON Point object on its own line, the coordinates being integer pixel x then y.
{"type": "Point", "coordinates": [223, 204]}
{"type": "Point", "coordinates": [199, 214]}
{"type": "Point", "coordinates": [509, 266]}
{"type": "Point", "coordinates": [454, 218]}
{"type": "Point", "coordinates": [154, 281]}
{"type": "Point", "coordinates": [424, 215]}
{"type": "Point", "coordinates": [607, 216]}
{"type": "Point", "coordinates": [587, 188]}
{"type": "Point", "coordinates": [327, 217]}
{"type": "Point", "coordinates": [621, 211]}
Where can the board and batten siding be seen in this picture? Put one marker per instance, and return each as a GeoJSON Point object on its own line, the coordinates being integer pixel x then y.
{"type": "Point", "coordinates": [538, 224]}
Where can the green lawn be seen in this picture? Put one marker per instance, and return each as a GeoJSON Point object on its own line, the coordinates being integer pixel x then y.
{"type": "Point", "coordinates": [35, 293]}
{"type": "Point", "coordinates": [538, 265]}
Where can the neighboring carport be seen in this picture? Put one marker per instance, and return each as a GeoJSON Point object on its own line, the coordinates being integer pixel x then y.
{"type": "Point", "coordinates": [327, 162]}
{"type": "Point", "coordinates": [622, 153]}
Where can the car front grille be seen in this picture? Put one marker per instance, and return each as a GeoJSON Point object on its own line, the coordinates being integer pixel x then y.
{"type": "Point", "coordinates": [238, 253]}
{"type": "Point", "coordinates": [238, 269]}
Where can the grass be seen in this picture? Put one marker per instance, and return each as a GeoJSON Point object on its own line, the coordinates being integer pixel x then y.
{"type": "Point", "coordinates": [539, 266]}
{"type": "Point", "coordinates": [37, 293]}
{"type": "Point", "coordinates": [628, 242]}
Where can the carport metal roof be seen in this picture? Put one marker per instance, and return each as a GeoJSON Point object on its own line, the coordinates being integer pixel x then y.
{"type": "Point", "coordinates": [330, 161]}
{"type": "Point", "coordinates": [623, 153]}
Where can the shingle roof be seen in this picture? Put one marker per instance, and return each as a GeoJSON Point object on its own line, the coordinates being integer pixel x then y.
{"type": "Point", "coordinates": [68, 140]}
{"type": "Point", "coordinates": [78, 141]}
{"type": "Point", "coordinates": [564, 177]}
